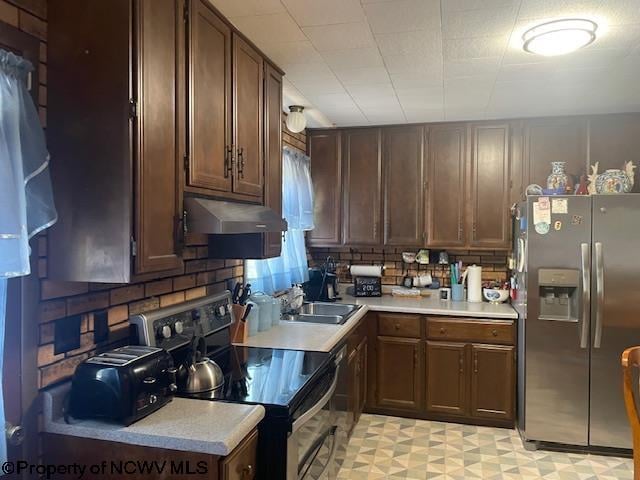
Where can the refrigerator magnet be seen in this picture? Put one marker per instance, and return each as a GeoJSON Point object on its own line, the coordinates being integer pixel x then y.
{"type": "Point", "coordinates": [557, 225]}
{"type": "Point", "coordinates": [542, 228]}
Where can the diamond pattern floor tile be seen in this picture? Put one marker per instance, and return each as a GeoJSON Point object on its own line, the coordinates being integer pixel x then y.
{"type": "Point", "coordinates": [383, 447]}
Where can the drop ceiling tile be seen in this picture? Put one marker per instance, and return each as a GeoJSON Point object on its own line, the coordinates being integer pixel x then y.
{"type": "Point", "coordinates": [523, 72]}
{"type": "Point", "coordinates": [286, 53]}
{"type": "Point", "coordinates": [550, 9]}
{"type": "Point", "coordinates": [419, 42]}
{"type": "Point", "coordinates": [349, 120]}
{"type": "Point", "coordinates": [362, 76]}
{"type": "Point", "coordinates": [462, 5]}
{"type": "Point", "coordinates": [409, 63]}
{"type": "Point", "coordinates": [378, 103]}
{"type": "Point", "coordinates": [319, 86]}
{"type": "Point", "coordinates": [472, 66]}
{"type": "Point", "coordinates": [234, 8]}
{"type": "Point", "coordinates": [464, 48]}
{"type": "Point", "coordinates": [625, 37]}
{"type": "Point", "coordinates": [479, 23]}
{"type": "Point", "coordinates": [306, 72]}
{"type": "Point", "coordinates": [422, 98]}
{"type": "Point", "coordinates": [415, 115]}
{"type": "Point", "coordinates": [419, 79]}
{"type": "Point", "coordinates": [371, 91]}
{"type": "Point", "coordinates": [353, 58]}
{"type": "Point", "coordinates": [343, 36]}
{"type": "Point", "coordinates": [403, 15]}
{"type": "Point", "coordinates": [462, 114]}
{"type": "Point", "coordinates": [325, 12]}
{"type": "Point", "coordinates": [333, 101]}
{"type": "Point", "coordinates": [265, 28]}
{"type": "Point", "coordinates": [620, 12]}
{"type": "Point", "coordinates": [468, 92]}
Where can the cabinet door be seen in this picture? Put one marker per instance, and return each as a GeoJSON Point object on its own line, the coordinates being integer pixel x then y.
{"type": "Point", "coordinates": [446, 186]}
{"type": "Point", "coordinates": [403, 186]}
{"type": "Point", "coordinates": [324, 149]}
{"type": "Point", "coordinates": [446, 378]}
{"type": "Point", "coordinates": [248, 71]}
{"type": "Point", "coordinates": [353, 391]}
{"type": "Point", "coordinates": [493, 382]}
{"type": "Point", "coordinates": [362, 187]}
{"type": "Point", "coordinates": [209, 100]}
{"type": "Point", "coordinates": [490, 219]}
{"type": "Point", "coordinates": [398, 373]}
{"type": "Point", "coordinates": [241, 463]}
{"type": "Point", "coordinates": [273, 153]}
{"type": "Point", "coordinates": [160, 126]}
{"type": "Point", "coordinates": [615, 140]}
{"type": "Point", "coordinates": [555, 140]}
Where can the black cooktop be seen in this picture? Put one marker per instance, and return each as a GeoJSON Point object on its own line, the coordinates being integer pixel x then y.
{"type": "Point", "coordinates": [277, 379]}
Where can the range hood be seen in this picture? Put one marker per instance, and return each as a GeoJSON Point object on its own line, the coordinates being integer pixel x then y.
{"type": "Point", "coordinates": [218, 217]}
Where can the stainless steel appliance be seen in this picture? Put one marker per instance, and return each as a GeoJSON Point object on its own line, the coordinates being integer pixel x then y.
{"type": "Point", "coordinates": [122, 385]}
{"type": "Point", "coordinates": [577, 277]}
{"type": "Point", "coordinates": [298, 436]}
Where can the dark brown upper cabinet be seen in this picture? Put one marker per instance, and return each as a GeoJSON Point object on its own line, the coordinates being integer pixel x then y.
{"type": "Point", "coordinates": [362, 165]}
{"type": "Point", "coordinates": [490, 179]}
{"type": "Point", "coordinates": [209, 100]}
{"type": "Point", "coordinates": [226, 110]}
{"type": "Point", "coordinates": [248, 74]}
{"type": "Point", "coordinates": [324, 149]}
{"type": "Point", "coordinates": [613, 141]}
{"type": "Point", "coordinates": [549, 140]}
{"type": "Point", "coordinates": [446, 187]}
{"type": "Point", "coordinates": [403, 156]}
{"type": "Point", "coordinates": [117, 150]}
{"type": "Point", "coordinates": [273, 153]}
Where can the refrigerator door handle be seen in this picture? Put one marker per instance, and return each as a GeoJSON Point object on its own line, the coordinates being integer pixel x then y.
{"type": "Point", "coordinates": [585, 257]}
{"type": "Point", "coordinates": [597, 341]}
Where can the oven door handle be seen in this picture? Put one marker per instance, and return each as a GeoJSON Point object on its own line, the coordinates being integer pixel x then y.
{"type": "Point", "coordinates": [304, 418]}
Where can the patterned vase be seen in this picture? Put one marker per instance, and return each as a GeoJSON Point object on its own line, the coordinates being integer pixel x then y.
{"type": "Point", "coordinates": [613, 181]}
{"type": "Point", "coordinates": [558, 179]}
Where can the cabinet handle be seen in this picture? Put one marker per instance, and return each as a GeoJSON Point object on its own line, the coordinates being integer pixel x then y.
{"type": "Point", "coordinates": [228, 161]}
{"type": "Point", "coordinates": [475, 362]}
{"type": "Point", "coordinates": [247, 471]}
{"type": "Point", "coordinates": [397, 325]}
{"type": "Point", "coordinates": [241, 162]}
{"type": "Point", "coordinates": [461, 361]}
{"type": "Point", "coordinates": [460, 230]}
{"type": "Point", "coordinates": [494, 332]}
{"type": "Point", "coordinates": [443, 331]}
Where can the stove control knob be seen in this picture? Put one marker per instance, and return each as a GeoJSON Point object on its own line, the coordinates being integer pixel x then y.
{"type": "Point", "coordinates": [195, 315]}
{"type": "Point", "coordinates": [178, 327]}
{"type": "Point", "coordinates": [165, 331]}
{"type": "Point", "coordinates": [221, 311]}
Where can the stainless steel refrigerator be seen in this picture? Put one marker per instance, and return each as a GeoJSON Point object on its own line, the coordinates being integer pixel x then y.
{"type": "Point", "coordinates": [577, 262]}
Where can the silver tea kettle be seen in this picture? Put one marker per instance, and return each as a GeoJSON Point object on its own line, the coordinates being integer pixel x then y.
{"type": "Point", "coordinates": [198, 373]}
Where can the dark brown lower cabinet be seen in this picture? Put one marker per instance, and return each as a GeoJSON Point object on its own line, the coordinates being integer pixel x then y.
{"type": "Point", "coordinates": [442, 368]}
{"type": "Point", "coordinates": [492, 381]}
{"type": "Point", "coordinates": [398, 373]}
{"type": "Point", "coordinates": [446, 378]}
{"type": "Point", "coordinates": [357, 384]}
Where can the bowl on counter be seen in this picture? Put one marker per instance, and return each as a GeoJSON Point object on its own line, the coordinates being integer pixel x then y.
{"type": "Point", "coordinates": [495, 295]}
{"type": "Point", "coordinates": [408, 257]}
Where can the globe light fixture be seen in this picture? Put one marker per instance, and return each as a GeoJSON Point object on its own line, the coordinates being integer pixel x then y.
{"type": "Point", "coordinates": [295, 120]}
{"type": "Point", "coordinates": [559, 37]}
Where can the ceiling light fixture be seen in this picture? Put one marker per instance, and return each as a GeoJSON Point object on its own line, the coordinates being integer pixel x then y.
{"type": "Point", "coordinates": [295, 119]}
{"type": "Point", "coordinates": [559, 36]}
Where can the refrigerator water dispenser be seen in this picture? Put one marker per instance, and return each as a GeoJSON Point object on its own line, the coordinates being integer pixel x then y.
{"type": "Point", "coordinates": [559, 292]}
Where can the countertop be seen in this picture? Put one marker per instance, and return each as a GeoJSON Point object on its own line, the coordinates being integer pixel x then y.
{"type": "Point", "coordinates": [183, 424]}
{"type": "Point", "coordinates": [432, 305]}
{"type": "Point", "coordinates": [323, 338]}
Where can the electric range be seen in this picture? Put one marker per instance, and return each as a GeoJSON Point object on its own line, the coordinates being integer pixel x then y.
{"type": "Point", "coordinates": [299, 435]}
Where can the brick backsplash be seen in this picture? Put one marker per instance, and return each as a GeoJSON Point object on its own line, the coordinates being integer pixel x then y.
{"type": "Point", "coordinates": [494, 263]}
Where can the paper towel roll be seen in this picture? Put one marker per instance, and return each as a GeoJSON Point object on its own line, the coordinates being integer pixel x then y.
{"type": "Point", "coordinates": [366, 270]}
{"type": "Point", "coordinates": [474, 284]}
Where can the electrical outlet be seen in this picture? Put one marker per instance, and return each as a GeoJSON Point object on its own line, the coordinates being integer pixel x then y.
{"type": "Point", "coordinates": [66, 334]}
{"type": "Point", "coordinates": [100, 326]}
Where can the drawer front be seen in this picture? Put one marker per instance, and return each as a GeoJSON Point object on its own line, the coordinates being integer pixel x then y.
{"type": "Point", "coordinates": [241, 463]}
{"type": "Point", "coordinates": [480, 331]}
{"type": "Point", "coordinates": [399, 325]}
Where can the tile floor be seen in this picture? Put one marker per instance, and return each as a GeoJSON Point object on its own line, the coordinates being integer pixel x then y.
{"type": "Point", "coordinates": [392, 448]}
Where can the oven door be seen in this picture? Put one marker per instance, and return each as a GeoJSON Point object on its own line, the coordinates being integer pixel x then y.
{"type": "Point", "coordinates": [312, 443]}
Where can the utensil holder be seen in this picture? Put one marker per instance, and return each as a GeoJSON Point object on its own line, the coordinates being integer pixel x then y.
{"type": "Point", "coordinates": [239, 329]}
{"type": "Point", "coordinates": [457, 292]}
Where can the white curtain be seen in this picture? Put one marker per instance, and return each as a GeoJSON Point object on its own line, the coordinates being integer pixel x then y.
{"type": "Point", "coordinates": [291, 266]}
{"type": "Point", "coordinates": [26, 199]}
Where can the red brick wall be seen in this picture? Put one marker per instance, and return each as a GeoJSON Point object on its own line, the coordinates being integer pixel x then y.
{"type": "Point", "coordinates": [494, 264]}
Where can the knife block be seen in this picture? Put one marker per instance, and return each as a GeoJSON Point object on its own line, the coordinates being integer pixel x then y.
{"type": "Point", "coordinates": [239, 329]}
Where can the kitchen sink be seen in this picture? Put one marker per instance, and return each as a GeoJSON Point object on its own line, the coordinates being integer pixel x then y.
{"type": "Point", "coordinates": [320, 308]}
{"type": "Point", "coordinates": [319, 312]}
